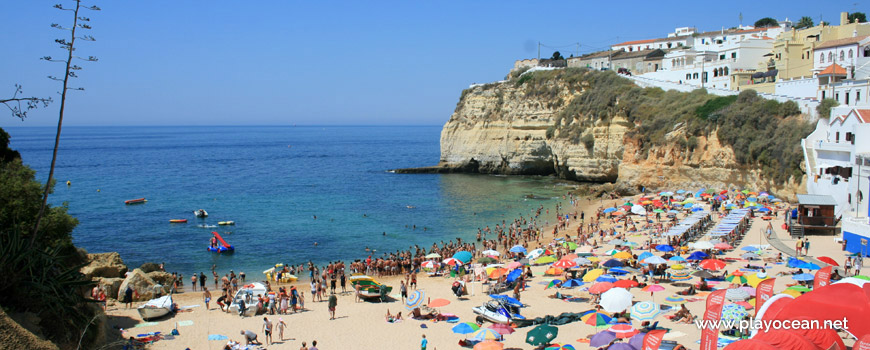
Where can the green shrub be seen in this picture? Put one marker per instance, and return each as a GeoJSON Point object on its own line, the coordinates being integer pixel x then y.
{"type": "Point", "coordinates": [588, 140]}
{"type": "Point", "coordinates": [824, 107]}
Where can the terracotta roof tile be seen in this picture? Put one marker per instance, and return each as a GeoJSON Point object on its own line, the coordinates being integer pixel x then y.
{"type": "Point", "coordinates": [840, 42]}
{"type": "Point", "coordinates": [834, 69]}
{"type": "Point", "coordinates": [864, 114]}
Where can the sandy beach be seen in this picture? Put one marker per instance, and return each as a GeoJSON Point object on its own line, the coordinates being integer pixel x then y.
{"type": "Point", "coordinates": [362, 325]}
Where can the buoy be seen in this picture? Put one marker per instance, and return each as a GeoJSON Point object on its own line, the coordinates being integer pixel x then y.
{"type": "Point", "coordinates": [68, 183]}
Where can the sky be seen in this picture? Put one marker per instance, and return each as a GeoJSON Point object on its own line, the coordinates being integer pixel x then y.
{"type": "Point", "coordinates": [321, 62]}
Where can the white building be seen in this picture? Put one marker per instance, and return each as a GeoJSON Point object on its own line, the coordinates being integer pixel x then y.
{"type": "Point", "coordinates": [837, 159]}
{"type": "Point", "coordinates": [850, 53]}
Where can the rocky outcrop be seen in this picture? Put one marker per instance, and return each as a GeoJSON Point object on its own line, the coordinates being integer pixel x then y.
{"type": "Point", "coordinates": [14, 336]}
{"type": "Point", "coordinates": [142, 284]}
{"type": "Point", "coordinates": [508, 128]}
{"type": "Point", "coordinates": [107, 265]}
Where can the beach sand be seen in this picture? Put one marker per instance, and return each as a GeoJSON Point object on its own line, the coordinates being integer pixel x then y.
{"type": "Point", "coordinates": [363, 325]}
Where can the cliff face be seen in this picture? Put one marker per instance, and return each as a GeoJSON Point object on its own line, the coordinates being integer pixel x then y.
{"type": "Point", "coordinates": [508, 128]}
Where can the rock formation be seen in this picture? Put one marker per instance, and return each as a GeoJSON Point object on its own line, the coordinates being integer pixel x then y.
{"type": "Point", "coordinates": [142, 284]}
{"type": "Point", "coordinates": [107, 265]}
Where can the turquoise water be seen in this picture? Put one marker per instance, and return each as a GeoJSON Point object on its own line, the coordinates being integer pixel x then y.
{"type": "Point", "coordinates": [271, 181]}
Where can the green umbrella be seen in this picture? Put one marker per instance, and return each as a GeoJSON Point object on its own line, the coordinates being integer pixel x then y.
{"type": "Point", "coordinates": [545, 259]}
{"type": "Point", "coordinates": [799, 288]}
{"type": "Point", "coordinates": [863, 277]}
{"type": "Point", "coordinates": [542, 334]}
{"type": "Point", "coordinates": [658, 211]}
{"type": "Point", "coordinates": [627, 204]}
{"type": "Point", "coordinates": [570, 245]}
{"type": "Point", "coordinates": [486, 260]}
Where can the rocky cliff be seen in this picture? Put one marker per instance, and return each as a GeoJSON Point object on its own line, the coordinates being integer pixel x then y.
{"type": "Point", "coordinates": [570, 125]}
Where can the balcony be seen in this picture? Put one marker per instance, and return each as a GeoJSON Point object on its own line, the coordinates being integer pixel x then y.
{"type": "Point", "coordinates": [834, 146]}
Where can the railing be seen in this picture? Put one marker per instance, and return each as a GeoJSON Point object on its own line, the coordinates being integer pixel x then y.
{"type": "Point", "coordinates": [817, 220]}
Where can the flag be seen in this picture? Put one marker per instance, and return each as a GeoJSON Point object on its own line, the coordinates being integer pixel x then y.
{"type": "Point", "coordinates": [823, 277]}
{"type": "Point", "coordinates": [653, 339]}
{"type": "Point", "coordinates": [709, 336]}
{"type": "Point", "coordinates": [763, 291]}
{"type": "Point", "coordinates": [863, 343]}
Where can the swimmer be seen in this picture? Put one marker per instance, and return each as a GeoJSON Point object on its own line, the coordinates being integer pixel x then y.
{"type": "Point", "coordinates": [68, 183]}
{"type": "Point", "coordinates": [315, 217]}
{"type": "Point", "coordinates": [315, 243]}
{"type": "Point", "coordinates": [385, 233]}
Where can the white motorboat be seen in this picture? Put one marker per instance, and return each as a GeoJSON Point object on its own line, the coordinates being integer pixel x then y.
{"type": "Point", "coordinates": [200, 213]}
{"type": "Point", "coordinates": [496, 312]}
{"type": "Point", "coordinates": [155, 308]}
{"type": "Point", "coordinates": [247, 296]}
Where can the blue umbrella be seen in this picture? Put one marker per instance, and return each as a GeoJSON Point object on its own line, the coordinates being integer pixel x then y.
{"type": "Point", "coordinates": [697, 209]}
{"type": "Point", "coordinates": [609, 210]}
{"type": "Point", "coordinates": [602, 338]}
{"type": "Point", "coordinates": [617, 271]}
{"type": "Point", "coordinates": [803, 277]}
{"type": "Point", "coordinates": [613, 263]}
{"type": "Point", "coordinates": [664, 248]}
{"type": "Point", "coordinates": [605, 278]}
{"type": "Point", "coordinates": [750, 249]}
{"type": "Point", "coordinates": [518, 249]}
{"type": "Point", "coordinates": [673, 211]}
{"type": "Point", "coordinates": [764, 210]}
{"type": "Point", "coordinates": [677, 259]}
{"type": "Point", "coordinates": [514, 275]}
{"type": "Point", "coordinates": [800, 264]}
{"type": "Point", "coordinates": [464, 328]}
{"type": "Point", "coordinates": [697, 256]}
{"type": "Point", "coordinates": [572, 283]}
{"type": "Point", "coordinates": [644, 255]}
{"type": "Point", "coordinates": [681, 191]}
{"type": "Point", "coordinates": [462, 256]}
{"type": "Point", "coordinates": [752, 199]}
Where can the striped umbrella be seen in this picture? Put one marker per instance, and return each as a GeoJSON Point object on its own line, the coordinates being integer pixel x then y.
{"type": "Point", "coordinates": [560, 347]}
{"type": "Point", "coordinates": [738, 279]}
{"type": "Point", "coordinates": [645, 310]}
{"type": "Point", "coordinates": [564, 264]}
{"type": "Point", "coordinates": [452, 261]}
{"type": "Point", "coordinates": [414, 300]}
{"type": "Point", "coordinates": [430, 264]}
{"type": "Point", "coordinates": [465, 328]}
{"type": "Point", "coordinates": [596, 318]}
{"type": "Point", "coordinates": [486, 334]}
{"type": "Point", "coordinates": [553, 283]}
{"type": "Point", "coordinates": [675, 300]}
{"type": "Point", "coordinates": [489, 345]}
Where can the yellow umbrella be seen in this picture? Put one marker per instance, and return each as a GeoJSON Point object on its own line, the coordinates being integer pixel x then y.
{"type": "Point", "coordinates": [677, 267]}
{"type": "Point", "coordinates": [593, 258]}
{"type": "Point", "coordinates": [592, 275]}
{"type": "Point", "coordinates": [754, 280]}
{"type": "Point", "coordinates": [792, 292]}
{"type": "Point", "coordinates": [622, 255]}
{"type": "Point", "coordinates": [545, 259]}
{"type": "Point", "coordinates": [553, 271]}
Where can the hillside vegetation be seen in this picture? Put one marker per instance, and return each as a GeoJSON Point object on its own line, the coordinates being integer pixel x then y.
{"type": "Point", "coordinates": [763, 134]}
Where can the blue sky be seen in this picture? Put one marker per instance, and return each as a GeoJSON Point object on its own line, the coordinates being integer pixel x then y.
{"type": "Point", "coordinates": [321, 62]}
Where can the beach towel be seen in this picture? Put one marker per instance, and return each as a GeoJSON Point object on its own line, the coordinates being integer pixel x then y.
{"type": "Point", "coordinates": [145, 324]}
{"type": "Point", "coordinates": [185, 323]}
{"type": "Point", "coordinates": [217, 337]}
{"type": "Point", "coordinates": [188, 307]}
{"type": "Point", "coordinates": [702, 294]}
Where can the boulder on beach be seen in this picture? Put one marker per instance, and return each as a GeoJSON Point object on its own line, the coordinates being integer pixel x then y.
{"type": "Point", "coordinates": [112, 286]}
{"type": "Point", "coordinates": [107, 265]}
{"type": "Point", "coordinates": [161, 277]}
{"type": "Point", "coordinates": [141, 283]}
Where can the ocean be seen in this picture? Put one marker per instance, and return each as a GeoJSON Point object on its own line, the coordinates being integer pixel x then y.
{"type": "Point", "coordinates": [272, 181]}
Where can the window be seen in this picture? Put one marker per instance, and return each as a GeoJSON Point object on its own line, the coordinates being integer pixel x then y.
{"type": "Point", "coordinates": [850, 53]}
{"type": "Point", "coordinates": [830, 57]}
{"type": "Point", "coordinates": [857, 96]}
{"type": "Point", "coordinates": [694, 75]}
{"type": "Point", "coordinates": [847, 98]}
{"type": "Point", "coordinates": [867, 51]}
{"type": "Point", "coordinates": [842, 55]}
{"type": "Point", "coordinates": [822, 58]}
{"type": "Point", "coordinates": [734, 55]}
{"type": "Point", "coordinates": [823, 95]}
{"type": "Point", "coordinates": [837, 139]}
{"type": "Point", "coordinates": [726, 71]}
{"type": "Point", "coordinates": [688, 76]}
{"type": "Point", "coordinates": [722, 56]}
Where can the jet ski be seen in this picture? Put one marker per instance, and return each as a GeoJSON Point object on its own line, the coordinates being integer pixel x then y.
{"type": "Point", "coordinates": [497, 311]}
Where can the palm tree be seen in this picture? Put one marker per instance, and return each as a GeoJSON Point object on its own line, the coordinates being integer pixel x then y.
{"type": "Point", "coordinates": [805, 22]}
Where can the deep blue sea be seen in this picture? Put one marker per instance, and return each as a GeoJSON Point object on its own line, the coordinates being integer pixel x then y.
{"type": "Point", "coordinates": [272, 181]}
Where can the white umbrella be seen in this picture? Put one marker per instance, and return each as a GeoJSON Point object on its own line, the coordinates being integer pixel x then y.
{"type": "Point", "coordinates": [615, 300]}
{"type": "Point", "coordinates": [491, 252]}
{"type": "Point", "coordinates": [703, 245]}
{"type": "Point", "coordinates": [532, 255]}
{"type": "Point", "coordinates": [581, 261]}
{"type": "Point", "coordinates": [433, 256]}
{"type": "Point", "coordinates": [637, 209]}
{"type": "Point", "coordinates": [655, 259]}
{"type": "Point", "coordinates": [736, 294]}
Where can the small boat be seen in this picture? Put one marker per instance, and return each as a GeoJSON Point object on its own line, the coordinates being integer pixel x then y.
{"type": "Point", "coordinates": [206, 226]}
{"type": "Point", "coordinates": [273, 272]}
{"type": "Point", "coordinates": [178, 221]}
{"type": "Point", "coordinates": [155, 308]}
{"type": "Point", "coordinates": [226, 223]}
{"type": "Point", "coordinates": [200, 213]}
{"type": "Point", "coordinates": [369, 288]}
{"type": "Point", "coordinates": [222, 246]}
{"type": "Point", "coordinates": [497, 311]}
{"type": "Point", "coordinates": [246, 299]}
{"type": "Point", "coordinates": [135, 201]}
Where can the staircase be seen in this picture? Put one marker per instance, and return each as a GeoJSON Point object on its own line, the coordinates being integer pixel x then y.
{"type": "Point", "coordinates": [796, 231]}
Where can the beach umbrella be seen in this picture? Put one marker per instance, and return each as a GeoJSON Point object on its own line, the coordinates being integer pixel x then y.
{"type": "Point", "coordinates": [560, 347]}
{"type": "Point", "coordinates": [618, 270]}
{"type": "Point", "coordinates": [535, 253]}
{"type": "Point", "coordinates": [414, 300]}
{"type": "Point", "coordinates": [542, 334]}
{"type": "Point", "coordinates": [613, 263]}
{"type": "Point", "coordinates": [596, 318]}
{"type": "Point", "coordinates": [791, 292]}
{"type": "Point", "coordinates": [645, 310]}
{"type": "Point", "coordinates": [518, 249]}
{"type": "Point", "coordinates": [625, 284]}
{"type": "Point", "coordinates": [488, 345]}
{"type": "Point", "coordinates": [611, 252]}
{"type": "Point", "coordinates": [655, 260]}
{"type": "Point", "coordinates": [465, 328]}
{"type": "Point", "coordinates": [491, 252]}
{"type": "Point", "coordinates": [564, 264]}
{"type": "Point", "coordinates": [463, 256]}
{"type": "Point", "coordinates": [553, 283]}
{"type": "Point", "coordinates": [513, 265]}
{"type": "Point", "coordinates": [799, 288]}
{"type": "Point", "coordinates": [750, 256]}
{"type": "Point", "coordinates": [755, 278]}
{"type": "Point", "coordinates": [680, 275]}
{"type": "Point", "coordinates": [733, 312]}
{"type": "Point", "coordinates": [600, 287]}
{"type": "Point", "coordinates": [601, 339]}
{"type": "Point", "coordinates": [430, 264]}
{"type": "Point", "coordinates": [723, 246]}
{"type": "Point", "coordinates": [513, 275]}
{"type": "Point", "coordinates": [436, 303]}
{"type": "Point", "coordinates": [697, 256]}
{"type": "Point", "coordinates": [581, 261]}
{"type": "Point", "coordinates": [644, 255]}
{"type": "Point", "coordinates": [553, 271]}
{"type": "Point", "coordinates": [545, 259]}
{"type": "Point", "coordinates": [571, 256]}
{"type": "Point", "coordinates": [569, 245]}
{"type": "Point", "coordinates": [750, 249]}
{"type": "Point", "coordinates": [658, 211]}
{"type": "Point", "coordinates": [677, 267]}
{"type": "Point", "coordinates": [617, 241]}
{"type": "Point", "coordinates": [703, 245]}
{"type": "Point", "coordinates": [623, 330]}
{"type": "Point", "coordinates": [677, 258]}
{"type": "Point", "coordinates": [737, 279]}
{"type": "Point", "coordinates": [736, 294]}
{"type": "Point", "coordinates": [616, 300]}
{"type": "Point", "coordinates": [712, 264]}
{"type": "Point", "coordinates": [803, 277]}
{"type": "Point", "coordinates": [572, 283]}
{"type": "Point", "coordinates": [433, 256]}
{"type": "Point", "coordinates": [653, 288]}
{"type": "Point", "coordinates": [621, 346]}
{"type": "Point", "coordinates": [498, 272]}
{"type": "Point", "coordinates": [828, 260]}
{"type": "Point", "coordinates": [486, 260]}
{"type": "Point", "coordinates": [452, 261]}
{"type": "Point", "coordinates": [630, 244]}
{"type": "Point", "coordinates": [622, 255]}
{"type": "Point", "coordinates": [592, 275]}
{"type": "Point", "coordinates": [664, 248]}
{"type": "Point", "coordinates": [502, 328]}
{"type": "Point", "coordinates": [675, 300]}
{"type": "Point", "coordinates": [801, 264]}
{"type": "Point", "coordinates": [606, 278]}
{"type": "Point", "coordinates": [486, 334]}
{"type": "Point", "coordinates": [610, 210]}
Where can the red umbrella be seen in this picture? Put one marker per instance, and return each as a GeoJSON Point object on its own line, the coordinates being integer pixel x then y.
{"type": "Point", "coordinates": [723, 246]}
{"type": "Point", "coordinates": [712, 264]}
{"type": "Point", "coordinates": [623, 330]}
{"type": "Point", "coordinates": [564, 264]}
{"type": "Point", "coordinates": [625, 284]}
{"type": "Point", "coordinates": [600, 287]}
{"type": "Point", "coordinates": [653, 288]}
{"type": "Point", "coordinates": [439, 303]}
{"type": "Point", "coordinates": [502, 328]}
{"type": "Point", "coordinates": [828, 260]}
